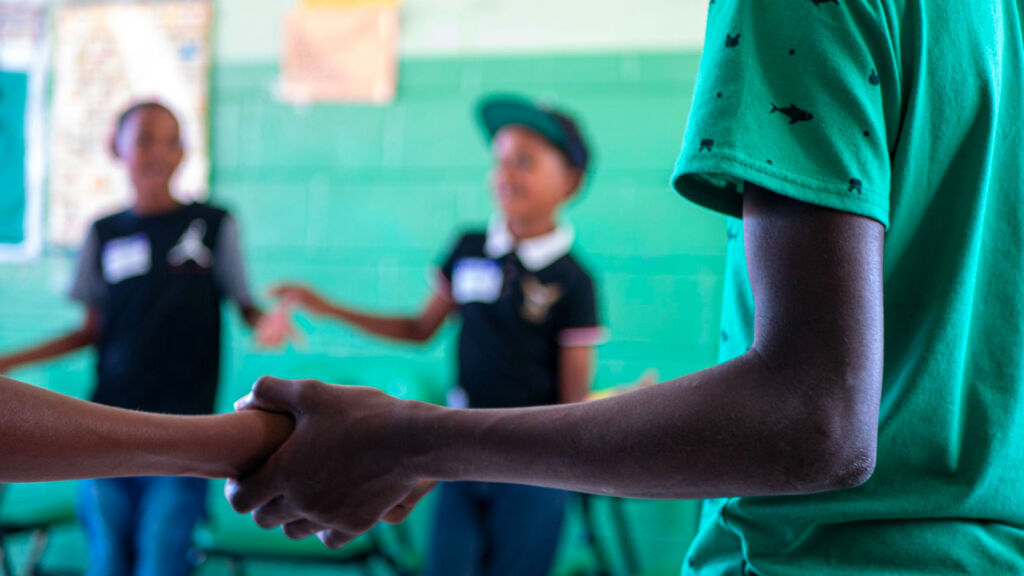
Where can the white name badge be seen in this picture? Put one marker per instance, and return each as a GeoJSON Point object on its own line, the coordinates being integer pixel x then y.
{"type": "Point", "coordinates": [476, 280]}
{"type": "Point", "coordinates": [125, 258]}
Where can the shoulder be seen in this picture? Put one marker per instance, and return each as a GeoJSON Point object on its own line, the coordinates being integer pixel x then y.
{"type": "Point", "coordinates": [469, 243]}
{"type": "Point", "coordinates": [209, 211]}
{"type": "Point", "coordinates": [573, 272]}
{"type": "Point", "coordinates": [111, 223]}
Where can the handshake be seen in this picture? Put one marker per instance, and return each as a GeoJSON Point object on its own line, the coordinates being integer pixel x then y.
{"type": "Point", "coordinates": [315, 458]}
{"type": "Point", "coordinates": [344, 466]}
{"type": "Point", "coordinates": [310, 457]}
{"type": "Point", "coordinates": [352, 459]}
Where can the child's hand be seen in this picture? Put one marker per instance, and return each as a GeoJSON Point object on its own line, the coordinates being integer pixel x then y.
{"type": "Point", "coordinates": [276, 327]}
{"type": "Point", "coordinates": [349, 463]}
{"type": "Point", "coordinates": [302, 296]}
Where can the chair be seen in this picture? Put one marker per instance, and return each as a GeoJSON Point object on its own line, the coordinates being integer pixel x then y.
{"type": "Point", "coordinates": [33, 509]}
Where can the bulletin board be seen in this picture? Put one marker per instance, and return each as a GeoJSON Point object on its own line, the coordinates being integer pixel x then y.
{"type": "Point", "coordinates": [108, 56]}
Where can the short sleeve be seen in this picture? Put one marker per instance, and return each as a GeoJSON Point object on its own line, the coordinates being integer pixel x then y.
{"type": "Point", "coordinates": [798, 97]}
{"type": "Point", "coordinates": [88, 285]}
{"type": "Point", "coordinates": [579, 325]}
{"type": "Point", "coordinates": [228, 264]}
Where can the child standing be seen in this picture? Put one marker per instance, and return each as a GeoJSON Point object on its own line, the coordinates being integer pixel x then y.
{"type": "Point", "coordinates": [529, 327]}
{"type": "Point", "coordinates": [152, 279]}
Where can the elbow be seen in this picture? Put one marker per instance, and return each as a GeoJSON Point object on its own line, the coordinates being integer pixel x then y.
{"type": "Point", "coordinates": [833, 458]}
{"type": "Point", "coordinates": [834, 444]}
{"type": "Point", "coordinates": [827, 422]}
{"type": "Point", "coordinates": [850, 468]}
{"type": "Point", "coordinates": [855, 472]}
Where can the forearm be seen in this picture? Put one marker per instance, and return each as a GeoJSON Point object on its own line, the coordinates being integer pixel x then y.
{"type": "Point", "coordinates": [735, 429]}
{"type": "Point", "coordinates": [50, 349]}
{"type": "Point", "coordinates": [395, 328]}
{"type": "Point", "coordinates": [47, 436]}
{"type": "Point", "coordinates": [575, 374]}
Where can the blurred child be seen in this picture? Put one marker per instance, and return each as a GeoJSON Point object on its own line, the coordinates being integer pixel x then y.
{"type": "Point", "coordinates": [529, 327]}
{"type": "Point", "coordinates": [151, 279]}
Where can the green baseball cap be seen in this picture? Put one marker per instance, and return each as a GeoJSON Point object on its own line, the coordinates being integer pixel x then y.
{"type": "Point", "coordinates": [500, 110]}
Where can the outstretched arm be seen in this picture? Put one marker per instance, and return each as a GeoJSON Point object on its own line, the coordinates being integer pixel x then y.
{"type": "Point", "coordinates": [418, 328]}
{"type": "Point", "coordinates": [798, 413]}
{"type": "Point", "coordinates": [85, 335]}
{"type": "Point", "coordinates": [47, 436]}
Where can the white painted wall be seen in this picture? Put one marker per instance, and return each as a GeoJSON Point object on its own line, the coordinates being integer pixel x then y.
{"type": "Point", "coordinates": [250, 30]}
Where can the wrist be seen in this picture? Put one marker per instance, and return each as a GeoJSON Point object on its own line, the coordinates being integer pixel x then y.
{"type": "Point", "coordinates": [252, 436]}
{"type": "Point", "coordinates": [430, 441]}
{"type": "Point", "coordinates": [227, 445]}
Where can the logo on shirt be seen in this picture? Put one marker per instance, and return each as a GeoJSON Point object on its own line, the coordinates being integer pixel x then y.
{"type": "Point", "coordinates": [538, 299]}
{"type": "Point", "coordinates": [190, 247]}
{"type": "Point", "coordinates": [793, 113]}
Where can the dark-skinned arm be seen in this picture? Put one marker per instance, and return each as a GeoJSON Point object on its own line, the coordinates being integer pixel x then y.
{"type": "Point", "coordinates": [418, 328]}
{"type": "Point", "coordinates": [86, 335]}
{"type": "Point", "coordinates": [796, 414]}
{"type": "Point", "coordinates": [46, 436]}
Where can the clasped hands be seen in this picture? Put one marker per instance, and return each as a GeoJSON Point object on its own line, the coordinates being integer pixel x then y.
{"type": "Point", "coordinates": [353, 459]}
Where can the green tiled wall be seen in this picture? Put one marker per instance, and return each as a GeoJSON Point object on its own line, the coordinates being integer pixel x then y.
{"type": "Point", "coordinates": [359, 200]}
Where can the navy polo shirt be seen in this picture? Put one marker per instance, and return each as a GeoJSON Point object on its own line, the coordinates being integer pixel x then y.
{"type": "Point", "coordinates": [519, 305]}
{"type": "Point", "coordinates": [157, 283]}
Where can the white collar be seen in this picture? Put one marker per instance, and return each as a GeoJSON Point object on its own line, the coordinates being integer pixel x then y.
{"type": "Point", "coordinates": [535, 253]}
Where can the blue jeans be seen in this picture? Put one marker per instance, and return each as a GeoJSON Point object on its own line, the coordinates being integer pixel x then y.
{"type": "Point", "coordinates": [140, 526]}
{"type": "Point", "coordinates": [483, 528]}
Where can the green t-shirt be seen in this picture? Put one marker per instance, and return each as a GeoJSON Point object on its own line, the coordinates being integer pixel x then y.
{"type": "Point", "coordinates": [910, 113]}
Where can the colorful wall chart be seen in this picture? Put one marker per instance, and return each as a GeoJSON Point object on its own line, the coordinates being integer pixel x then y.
{"type": "Point", "coordinates": [109, 56]}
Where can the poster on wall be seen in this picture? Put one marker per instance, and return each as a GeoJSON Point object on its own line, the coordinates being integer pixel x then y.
{"type": "Point", "coordinates": [340, 51]}
{"type": "Point", "coordinates": [108, 56]}
{"type": "Point", "coordinates": [23, 61]}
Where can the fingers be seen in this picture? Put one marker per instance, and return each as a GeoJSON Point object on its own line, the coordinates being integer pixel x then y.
{"type": "Point", "coordinates": [301, 529]}
{"type": "Point", "coordinates": [335, 539]}
{"type": "Point", "coordinates": [399, 513]}
{"type": "Point", "coordinates": [273, 330]}
{"type": "Point", "coordinates": [276, 513]}
{"type": "Point", "coordinates": [272, 394]}
{"type": "Point", "coordinates": [255, 490]}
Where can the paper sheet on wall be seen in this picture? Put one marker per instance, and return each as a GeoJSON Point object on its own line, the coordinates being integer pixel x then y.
{"type": "Point", "coordinates": [340, 52]}
{"type": "Point", "coordinates": [107, 57]}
